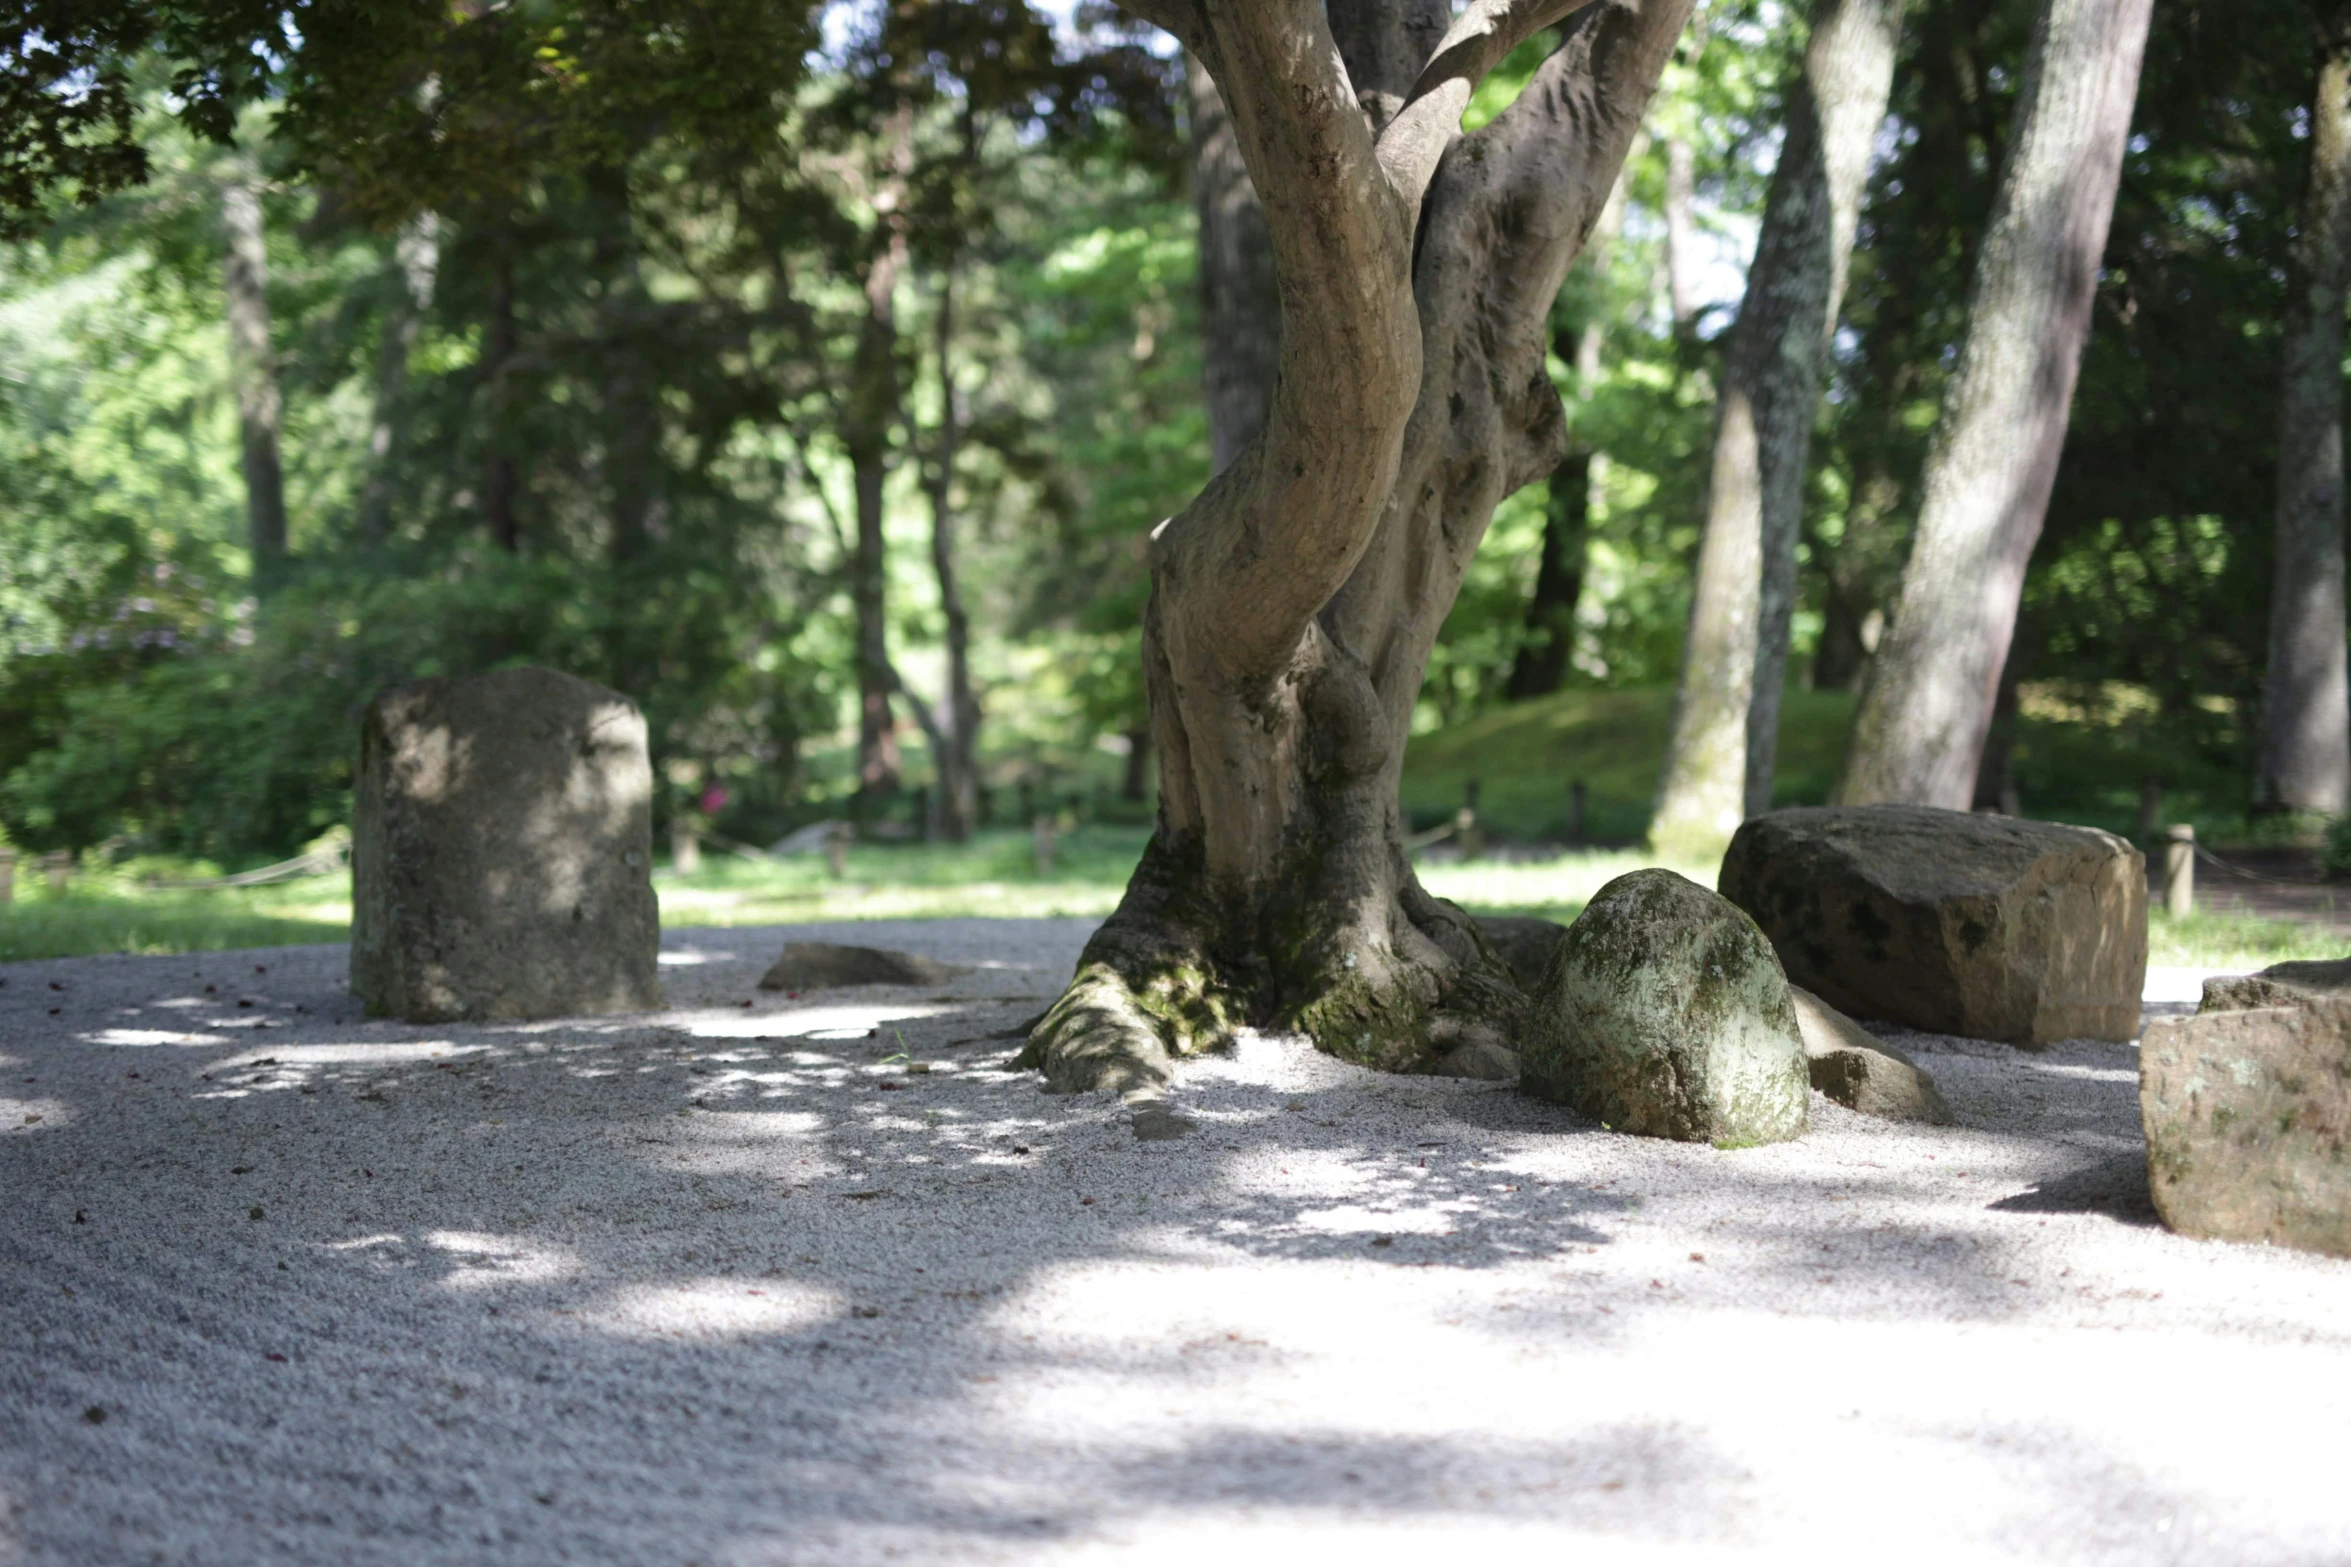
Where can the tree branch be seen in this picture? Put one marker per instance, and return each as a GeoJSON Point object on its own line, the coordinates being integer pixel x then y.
{"type": "Point", "coordinates": [1183, 18]}
{"type": "Point", "coordinates": [1274, 535]}
{"type": "Point", "coordinates": [1480, 40]}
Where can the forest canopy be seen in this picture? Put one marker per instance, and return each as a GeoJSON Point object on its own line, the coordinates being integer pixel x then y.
{"type": "Point", "coordinates": [815, 374]}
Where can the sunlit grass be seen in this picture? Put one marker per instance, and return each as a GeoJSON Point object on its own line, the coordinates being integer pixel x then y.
{"type": "Point", "coordinates": [993, 877]}
{"type": "Point", "coordinates": [2236, 942]}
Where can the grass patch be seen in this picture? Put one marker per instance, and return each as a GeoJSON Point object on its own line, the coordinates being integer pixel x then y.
{"type": "Point", "coordinates": [2236, 943]}
{"type": "Point", "coordinates": [2077, 760]}
{"type": "Point", "coordinates": [993, 877]}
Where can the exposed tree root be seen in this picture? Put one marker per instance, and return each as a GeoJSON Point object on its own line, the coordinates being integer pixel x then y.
{"type": "Point", "coordinates": [1418, 991]}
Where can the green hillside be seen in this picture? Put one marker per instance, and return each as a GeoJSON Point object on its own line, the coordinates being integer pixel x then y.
{"type": "Point", "coordinates": [2080, 756]}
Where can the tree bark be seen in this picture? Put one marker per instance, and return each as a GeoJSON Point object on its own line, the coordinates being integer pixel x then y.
{"type": "Point", "coordinates": [1920, 732]}
{"type": "Point", "coordinates": [1294, 602]}
{"type": "Point", "coordinates": [253, 371]}
{"type": "Point", "coordinates": [957, 762]}
{"type": "Point", "coordinates": [2306, 700]}
{"type": "Point", "coordinates": [1725, 735]}
{"type": "Point", "coordinates": [869, 414]}
{"type": "Point", "coordinates": [417, 253]}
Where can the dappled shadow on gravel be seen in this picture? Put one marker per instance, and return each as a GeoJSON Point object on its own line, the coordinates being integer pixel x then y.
{"type": "Point", "coordinates": [735, 1284]}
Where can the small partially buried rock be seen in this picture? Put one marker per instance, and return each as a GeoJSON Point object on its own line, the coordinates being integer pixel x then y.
{"type": "Point", "coordinates": [821, 965]}
{"type": "Point", "coordinates": [1984, 926]}
{"type": "Point", "coordinates": [2247, 1108]}
{"type": "Point", "coordinates": [1665, 1013]}
{"type": "Point", "coordinates": [1861, 1071]}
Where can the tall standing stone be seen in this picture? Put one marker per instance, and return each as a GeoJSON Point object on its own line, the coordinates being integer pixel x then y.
{"type": "Point", "coordinates": [501, 857]}
{"type": "Point", "coordinates": [1983, 926]}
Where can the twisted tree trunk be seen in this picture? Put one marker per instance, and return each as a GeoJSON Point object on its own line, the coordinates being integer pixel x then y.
{"type": "Point", "coordinates": [1725, 737]}
{"type": "Point", "coordinates": [1920, 732]}
{"type": "Point", "coordinates": [1294, 602]}
{"type": "Point", "coordinates": [2306, 704]}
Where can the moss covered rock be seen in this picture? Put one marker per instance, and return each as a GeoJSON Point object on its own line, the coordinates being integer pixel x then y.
{"type": "Point", "coordinates": [1664, 1012]}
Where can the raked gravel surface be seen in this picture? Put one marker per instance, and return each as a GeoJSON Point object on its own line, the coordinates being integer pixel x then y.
{"type": "Point", "coordinates": [729, 1285]}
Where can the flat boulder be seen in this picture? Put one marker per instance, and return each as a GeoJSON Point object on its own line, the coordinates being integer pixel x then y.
{"type": "Point", "coordinates": [1860, 1071]}
{"type": "Point", "coordinates": [2279, 985]}
{"type": "Point", "coordinates": [1665, 1013]}
{"type": "Point", "coordinates": [2247, 1109]}
{"type": "Point", "coordinates": [1985, 926]}
{"type": "Point", "coordinates": [822, 965]}
{"type": "Point", "coordinates": [502, 851]}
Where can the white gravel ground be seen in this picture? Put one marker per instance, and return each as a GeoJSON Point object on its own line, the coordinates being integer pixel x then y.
{"type": "Point", "coordinates": [726, 1285]}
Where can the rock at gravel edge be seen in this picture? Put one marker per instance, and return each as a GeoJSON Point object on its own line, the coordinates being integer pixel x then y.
{"type": "Point", "coordinates": [824, 965]}
{"type": "Point", "coordinates": [1861, 1071]}
{"type": "Point", "coordinates": [2248, 1119]}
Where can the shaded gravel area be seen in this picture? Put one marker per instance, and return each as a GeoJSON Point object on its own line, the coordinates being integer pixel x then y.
{"type": "Point", "coordinates": [816, 1280]}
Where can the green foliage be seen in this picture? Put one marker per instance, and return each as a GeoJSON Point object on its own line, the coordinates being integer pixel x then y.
{"type": "Point", "coordinates": [2335, 858]}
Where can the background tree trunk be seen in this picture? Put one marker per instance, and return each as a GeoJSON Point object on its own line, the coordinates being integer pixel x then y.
{"type": "Point", "coordinates": [253, 369]}
{"type": "Point", "coordinates": [417, 255]}
{"type": "Point", "coordinates": [957, 764]}
{"type": "Point", "coordinates": [1539, 667]}
{"type": "Point", "coordinates": [1572, 494]}
{"type": "Point", "coordinates": [1295, 601]}
{"type": "Point", "coordinates": [1920, 732]}
{"type": "Point", "coordinates": [870, 412]}
{"type": "Point", "coordinates": [1240, 312]}
{"type": "Point", "coordinates": [2305, 761]}
{"type": "Point", "coordinates": [499, 480]}
{"type": "Point", "coordinates": [1725, 735]}
{"type": "Point", "coordinates": [1681, 234]}
{"type": "Point", "coordinates": [631, 421]}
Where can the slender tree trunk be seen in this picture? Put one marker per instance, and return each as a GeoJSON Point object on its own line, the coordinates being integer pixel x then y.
{"type": "Point", "coordinates": [1725, 736]}
{"type": "Point", "coordinates": [2306, 701]}
{"type": "Point", "coordinates": [417, 253]}
{"type": "Point", "coordinates": [1296, 600]}
{"type": "Point", "coordinates": [1540, 665]}
{"type": "Point", "coordinates": [1240, 312]}
{"type": "Point", "coordinates": [1572, 492]}
{"type": "Point", "coordinates": [253, 369]}
{"type": "Point", "coordinates": [499, 479]}
{"type": "Point", "coordinates": [871, 411]}
{"type": "Point", "coordinates": [958, 764]}
{"type": "Point", "coordinates": [631, 420]}
{"type": "Point", "coordinates": [1135, 782]}
{"type": "Point", "coordinates": [1681, 234]}
{"type": "Point", "coordinates": [1920, 732]}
